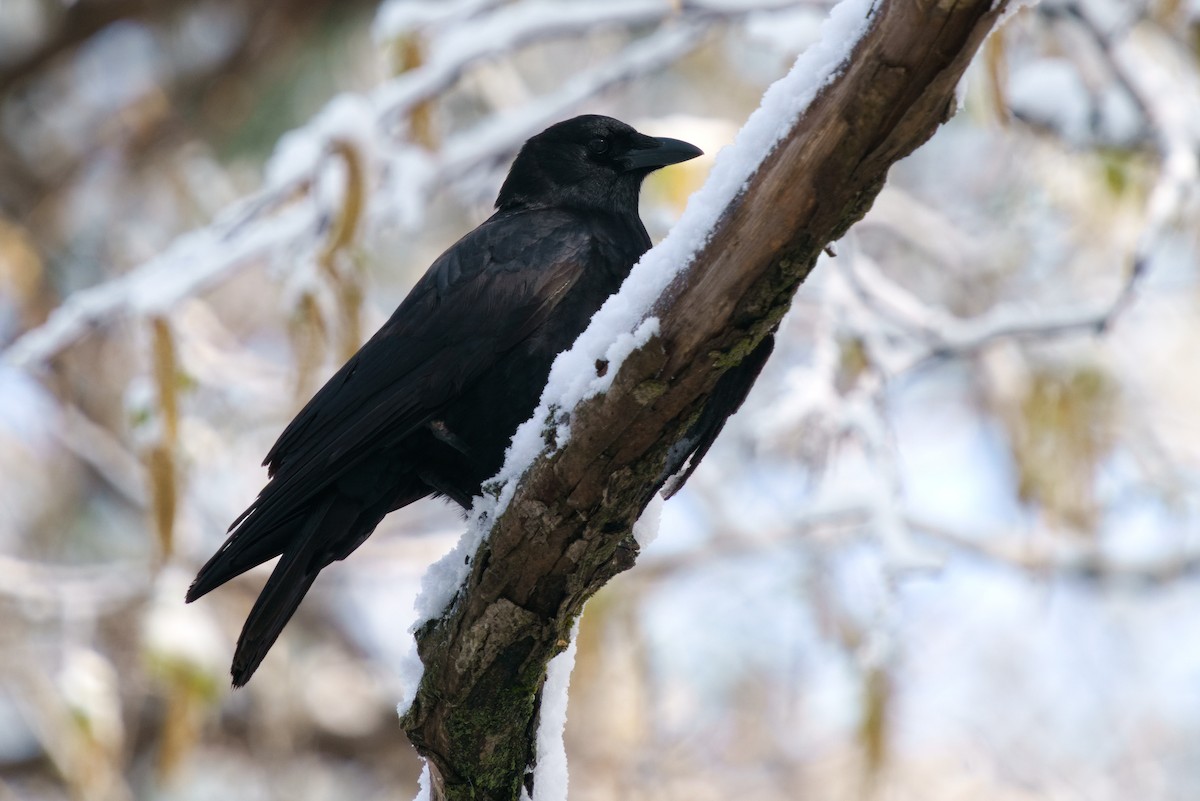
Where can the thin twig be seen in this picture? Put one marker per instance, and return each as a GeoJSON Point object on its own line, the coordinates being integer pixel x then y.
{"type": "Point", "coordinates": [1084, 562]}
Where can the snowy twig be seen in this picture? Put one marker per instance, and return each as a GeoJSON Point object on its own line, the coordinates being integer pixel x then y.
{"type": "Point", "coordinates": [522, 24]}
{"type": "Point", "coordinates": [806, 527]}
{"type": "Point", "coordinates": [943, 336]}
{"type": "Point", "coordinates": [504, 133]}
{"type": "Point", "coordinates": [193, 263]}
{"type": "Point", "coordinates": [1157, 100]}
{"type": "Point", "coordinates": [96, 446]}
{"type": "Point", "coordinates": [1060, 556]}
{"type": "Point", "coordinates": [74, 592]}
{"type": "Point", "coordinates": [1045, 553]}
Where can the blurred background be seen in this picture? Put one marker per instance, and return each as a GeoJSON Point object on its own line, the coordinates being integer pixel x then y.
{"type": "Point", "coordinates": [948, 549]}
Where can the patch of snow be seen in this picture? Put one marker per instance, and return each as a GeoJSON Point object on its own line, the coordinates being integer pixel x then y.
{"type": "Point", "coordinates": [424, 783]}
{"type": "Point", "coordinates": [88, 688]}
{"type": "Point", "coordinates": [645, 530]}
{"type": "Point", "coordinates": [409, 669]}
{"type": "Point", "coordinates": [397, 18]}
{"type": "Point", "coordinates": [178, 633]}
{"type": "Point", "coordinates": [550, 773]}
{"type": "Point", "coordinates": [1051, 93]}
{"type": "Point", "coordinates": [348, 117]}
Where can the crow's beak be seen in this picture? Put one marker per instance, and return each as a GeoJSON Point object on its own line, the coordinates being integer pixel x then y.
{"type": "Point", "coordinates": [654, 152]}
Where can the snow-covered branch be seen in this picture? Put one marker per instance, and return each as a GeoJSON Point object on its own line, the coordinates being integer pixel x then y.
{"type": "Point", "coordinates": [1048, 554]}
{"type": "Point", "coordinates": [73, 592]}
{"type": "Point", "coordinates": [1176, 140]}
{"type": "Point", "coordinates": [932, 333]}
{"type": "Point", "coordinates": [1155, 93]}
{"type": "Point", "coordinates": [580, 473]}
{"type": "Point", "coordinates": [476, 38]}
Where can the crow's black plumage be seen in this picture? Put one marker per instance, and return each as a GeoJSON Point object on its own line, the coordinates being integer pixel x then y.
{"type": "Point", "coordinates": [428, 405]}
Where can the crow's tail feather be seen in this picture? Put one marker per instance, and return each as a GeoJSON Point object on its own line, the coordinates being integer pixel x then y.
{"type": "Point", "coordinates": [271, 612]}
{"type": "Point", "coordinates": [302, 560]}
{"type": "Point", "coordinates": [254, 539]}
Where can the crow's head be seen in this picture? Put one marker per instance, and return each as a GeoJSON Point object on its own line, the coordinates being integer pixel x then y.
{"type": "Point", "coordinates": [588, 162]}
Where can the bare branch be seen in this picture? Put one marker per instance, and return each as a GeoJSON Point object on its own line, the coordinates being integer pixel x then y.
{"type": "Point", "coordinates": [1062, 556]}
{"type": "Point", "coordinates": [74, 592]}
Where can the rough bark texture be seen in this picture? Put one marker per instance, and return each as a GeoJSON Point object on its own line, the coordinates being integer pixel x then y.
{"type": "Point", "coordinates": [567, 531]}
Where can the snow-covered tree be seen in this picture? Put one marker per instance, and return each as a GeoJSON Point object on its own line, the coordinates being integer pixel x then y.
{"type": "Point", "coordinates": [946, 548]}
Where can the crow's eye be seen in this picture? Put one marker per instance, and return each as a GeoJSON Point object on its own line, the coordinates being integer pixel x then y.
{"type": "Point", "coordinates": [598, 146]}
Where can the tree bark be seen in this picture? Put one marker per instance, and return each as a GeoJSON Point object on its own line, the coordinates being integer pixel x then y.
{"type": "Point", "coordinates": [568, 529]}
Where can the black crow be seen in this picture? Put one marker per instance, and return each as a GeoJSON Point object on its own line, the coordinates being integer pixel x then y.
{"type": "Point", "coordinates": [428, 405]}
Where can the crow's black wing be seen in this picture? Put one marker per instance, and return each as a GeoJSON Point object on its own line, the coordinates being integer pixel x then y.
{"type": "Point", "coordinates": [483, 296]}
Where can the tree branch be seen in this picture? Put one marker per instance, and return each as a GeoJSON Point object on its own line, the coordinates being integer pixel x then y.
{"type": "Point", "coordinates": [567, 529]}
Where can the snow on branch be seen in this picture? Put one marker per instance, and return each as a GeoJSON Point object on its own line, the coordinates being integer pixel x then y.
{"type": "Point", "coordinates": [933, 333]}
{"type": "Point", "coordinates": [558, 522]}
{"type": "Point", "coordinates": [74, 592]}
{"type": "Point", "coordinates": [194, 262]}
{"type": "Point", "coordinates": [1066, 556]}
{"type": "Point", "coordinates": [521, 24]}
{"type": "Point", "coordinates": [505, 132]}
